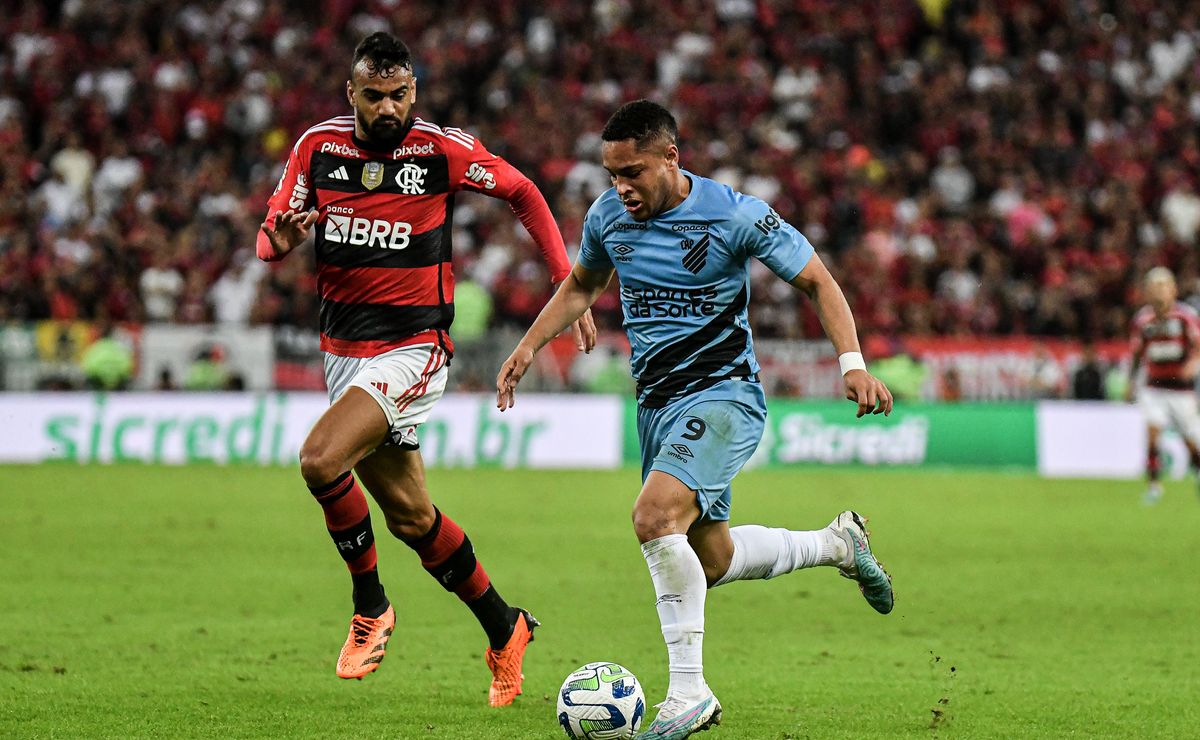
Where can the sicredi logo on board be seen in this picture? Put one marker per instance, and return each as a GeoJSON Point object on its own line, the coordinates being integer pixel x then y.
{"type": "Point", "coordinates": [256, 432]}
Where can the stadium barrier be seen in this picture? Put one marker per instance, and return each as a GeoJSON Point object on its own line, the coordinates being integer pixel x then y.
{"type": "Point", "coordinates": [1056, 438]}
{"type": "Point", "coordinates": [47, 355]}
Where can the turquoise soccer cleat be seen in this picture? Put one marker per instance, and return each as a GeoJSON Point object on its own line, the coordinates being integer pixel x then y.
{"type": "Point", "coordinates": [677, 720]}
{"type": "Point", "coordinates": [873, 580]}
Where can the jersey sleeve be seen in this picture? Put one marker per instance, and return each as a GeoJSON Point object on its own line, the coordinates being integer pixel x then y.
{"type": "Point", "coordinates": [1136, 344]}
{"type": "Point", "coordinates": [592, 254]}
{"type": "Point", "coordinates": [478, 170]}
{"type": "Point", "coordinates": [773, 241]}
{"type": "Point", "coordinates": [293, 193]}
{"type": "Point", "coordinates": [1193, 330]}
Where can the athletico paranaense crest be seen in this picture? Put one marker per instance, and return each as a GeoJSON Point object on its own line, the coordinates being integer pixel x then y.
{"type": "Point", "coordinates": [695, 254]}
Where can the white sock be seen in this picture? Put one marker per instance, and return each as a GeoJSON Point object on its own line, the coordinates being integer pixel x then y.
{"type": "Point", "coordinates": [762, 552]}
{"type": "Point", "coordinates": [679, 586]}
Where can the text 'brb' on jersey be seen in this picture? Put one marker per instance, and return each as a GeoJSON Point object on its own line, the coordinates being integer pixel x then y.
{"type": "Point", "coordinates": [685, 282]}
{"type": "Point", "coordinates": [383, 231]}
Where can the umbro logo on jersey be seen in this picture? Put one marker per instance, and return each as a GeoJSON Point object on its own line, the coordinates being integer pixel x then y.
{"type": "Point", "coordinates": [339, 174]}
{"type": "Point", "coordinates": [623, 252]}
{"type": "Point", "coordinates": [696, 256]}
{"type": "Point", "coordinates": [680, 452]}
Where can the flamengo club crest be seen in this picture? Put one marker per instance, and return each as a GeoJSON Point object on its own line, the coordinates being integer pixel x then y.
{"type": "Point", "coordinates": [372, 175]}
{"type": "Point", "coordinates": [411, 179]}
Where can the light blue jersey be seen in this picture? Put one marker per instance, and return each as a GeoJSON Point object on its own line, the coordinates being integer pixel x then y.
{"type": "Point", "coordinates": [685, 283]}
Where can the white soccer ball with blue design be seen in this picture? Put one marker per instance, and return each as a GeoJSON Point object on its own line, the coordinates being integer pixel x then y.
{"type": "Point", "coordinates": [601, 701]}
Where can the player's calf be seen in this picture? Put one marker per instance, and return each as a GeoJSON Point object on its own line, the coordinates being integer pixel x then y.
{"type": "Point", "coordinates": [447, 554]}
{"type": "Point", "coordinates": [348, 521]}
{"type": "Point", "coordinates": [768, 552]}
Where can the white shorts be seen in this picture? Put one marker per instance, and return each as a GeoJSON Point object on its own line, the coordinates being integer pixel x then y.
{"type": "Point", "coordinates": [1171, 409]}
{"type": "Point", "coordinates": [405, 382]}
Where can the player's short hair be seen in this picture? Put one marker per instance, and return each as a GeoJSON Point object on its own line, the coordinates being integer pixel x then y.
{"type": "Point", "coordinates": [1160, 275]}
{"type": "Point", "coordinates": [645, 122]}
{"type": "Point", "coordinates": [383, 53]}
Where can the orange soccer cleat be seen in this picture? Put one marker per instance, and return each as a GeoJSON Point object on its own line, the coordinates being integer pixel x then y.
{"type": "Point", "coordinates": [505, 663]}
{"type": "Point", "coordinates": [364, 648]}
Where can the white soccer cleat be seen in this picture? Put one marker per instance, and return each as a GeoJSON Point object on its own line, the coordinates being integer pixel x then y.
{"type": "Point", "coordinates": [861, 565]}
{"type": "Point", "coordinates": [678, 718]}
{"type": "Point", "coordinates": [1154, 494]}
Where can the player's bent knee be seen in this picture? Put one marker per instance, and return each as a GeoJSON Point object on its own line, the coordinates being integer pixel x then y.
{"type": "Point", "coordinates": [318, 467]}
{"type": "Point", "coordinates": [650, 523]}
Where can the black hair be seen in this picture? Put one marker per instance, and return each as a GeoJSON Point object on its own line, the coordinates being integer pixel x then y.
{"type": "Point", "coordinates": [383, 53]}
{"type": "Point", "coordinates": [643, 121]}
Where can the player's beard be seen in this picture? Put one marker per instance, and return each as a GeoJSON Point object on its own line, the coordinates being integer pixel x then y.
{"type": "Point", "coordinates": [380, 134]}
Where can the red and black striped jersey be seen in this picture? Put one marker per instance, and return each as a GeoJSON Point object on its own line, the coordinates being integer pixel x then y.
{"type": "Point", "coordinates": [382, 233]}
{"type": "Point", "coordinates": [1165, 344]}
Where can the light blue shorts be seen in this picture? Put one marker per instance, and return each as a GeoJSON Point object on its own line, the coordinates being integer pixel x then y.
{"type": "Point", "coordinates": [704, 439]}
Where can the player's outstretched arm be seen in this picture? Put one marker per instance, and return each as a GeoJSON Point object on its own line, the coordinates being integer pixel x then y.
{"type": "Point", "coordinates": [280, 235]}
{"type": "Point", "coordinates": [574, 297]}
{"type": "Point", "coordinates": [871, 395]}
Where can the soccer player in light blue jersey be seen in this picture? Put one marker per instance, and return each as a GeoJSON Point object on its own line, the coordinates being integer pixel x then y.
{"type": "Point", "coordinates": [681, 244]}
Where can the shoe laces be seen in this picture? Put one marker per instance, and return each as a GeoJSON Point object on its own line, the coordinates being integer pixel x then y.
{"type": "Point", "coordinates": [360, 629]}
{"type": "Point", "coordinates": [671, 706]}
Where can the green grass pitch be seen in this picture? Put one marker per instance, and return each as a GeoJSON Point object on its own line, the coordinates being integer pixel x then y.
{"type": "Point", "coordinates": [209, 602]}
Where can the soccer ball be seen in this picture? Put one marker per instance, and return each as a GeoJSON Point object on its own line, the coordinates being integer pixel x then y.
{"type": "Point", "coordinates": [601, 701]}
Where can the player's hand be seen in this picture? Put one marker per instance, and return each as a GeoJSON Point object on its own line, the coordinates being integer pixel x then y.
{"type": "Point", "coordinates": [1130, 394]}
{"type": "Point", "coordinates": [584, 331]}
{"type": "Point", "coordinates": [291, 228]}
{"type": "Point", "coordinates": [510, 374]}
{"type": "Point", "coordinates": [869, 392]}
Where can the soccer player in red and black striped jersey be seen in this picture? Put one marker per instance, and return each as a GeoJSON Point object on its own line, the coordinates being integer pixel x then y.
{"type": "Point", "coordinates": [1166, 341]}
{"type": "Point", "coordinates": [376, 189]}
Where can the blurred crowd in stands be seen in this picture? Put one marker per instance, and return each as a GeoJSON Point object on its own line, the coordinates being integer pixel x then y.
{"type": "Point", "coordinates": [996, 167]}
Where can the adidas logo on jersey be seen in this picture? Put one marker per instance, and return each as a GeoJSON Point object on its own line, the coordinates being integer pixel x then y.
{"type": "Point", "coordinates": [339, 174]}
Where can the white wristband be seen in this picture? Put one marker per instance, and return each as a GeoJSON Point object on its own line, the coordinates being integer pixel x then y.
{"type": "Point", "coordinates": [851, 361]}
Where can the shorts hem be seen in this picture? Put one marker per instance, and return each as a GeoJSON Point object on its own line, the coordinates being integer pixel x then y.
{"type": "Point", "coordinates": [385, 404]}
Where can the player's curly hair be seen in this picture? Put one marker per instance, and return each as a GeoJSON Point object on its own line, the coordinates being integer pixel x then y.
{"type": "Point", "coordinates": [645, 122]}
{"type": "Point", "coordinates": [383, 53]}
